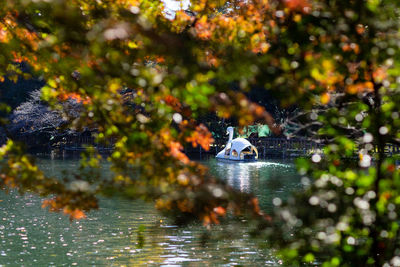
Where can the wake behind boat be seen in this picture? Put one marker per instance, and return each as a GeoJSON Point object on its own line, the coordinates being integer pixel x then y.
{"type": "Point", "coordinates": [238, 149]}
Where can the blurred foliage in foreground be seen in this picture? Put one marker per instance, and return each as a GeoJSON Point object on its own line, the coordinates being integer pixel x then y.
{"type": "Point", "coordinates": [337, 60]}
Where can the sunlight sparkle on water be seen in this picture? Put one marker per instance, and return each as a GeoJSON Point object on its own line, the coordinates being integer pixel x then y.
{"type": "Point", "coordinates": [109, 235]}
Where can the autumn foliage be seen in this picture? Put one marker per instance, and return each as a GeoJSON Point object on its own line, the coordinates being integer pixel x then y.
{"type": "Point", "coordinates": [337, 61]}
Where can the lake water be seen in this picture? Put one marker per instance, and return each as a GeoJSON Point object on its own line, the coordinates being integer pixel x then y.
{"type": "Point", "coordinates": [32, 236]}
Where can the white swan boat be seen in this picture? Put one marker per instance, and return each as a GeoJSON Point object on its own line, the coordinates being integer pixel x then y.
{"type": "Point", "coordinates": [238, 149]}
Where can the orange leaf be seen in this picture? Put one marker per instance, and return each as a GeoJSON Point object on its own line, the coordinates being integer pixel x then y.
{"type": "Point", "coordinates": [173, 102]}
{"type": "Point", "coordinates": [255, 204]}
{"type": "Point", "coordinates": [379, 74]}
{"type": "Point", "coordinates": [206, 220]}
{"type": "Point", "coordinates": [201, 136]}
{"type": "Point", "coordinates": [175, 150]}
{"type": "Point", "coordinates": [325, 98]}
{"type": "Point", "coordinates": [76, 214]}
{"type": "Point", "coordinates": [300, 5]}
{"type": "Point", "coordinates": [220, 211]}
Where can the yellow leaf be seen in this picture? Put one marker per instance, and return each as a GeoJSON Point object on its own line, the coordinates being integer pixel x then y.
{"type": "Point", "coordinates": [316, 74]}
{"type": "Point", "coordinates": [327, 65]}
{"type": "Point", "coordinates": [52, 83]}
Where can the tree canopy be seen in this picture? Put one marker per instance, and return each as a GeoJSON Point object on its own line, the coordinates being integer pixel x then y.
{"type": "Point", "coordinates": [336, 60]}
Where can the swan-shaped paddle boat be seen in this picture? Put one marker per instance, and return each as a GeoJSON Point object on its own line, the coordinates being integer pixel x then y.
{"type": "Point", "coordinates": [238, 149]}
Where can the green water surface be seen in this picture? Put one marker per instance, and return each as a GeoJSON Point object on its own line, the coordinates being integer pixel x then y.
{"type": "Point", "coordinates": [32, 236]}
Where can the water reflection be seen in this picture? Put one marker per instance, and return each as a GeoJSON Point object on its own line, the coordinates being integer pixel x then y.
{"type": "Point", "coordinates": [240, 174]}
{"type": "Point", "coordinates": [31, 236]}
{"type": "Point", "coordinates": [265, 179]}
